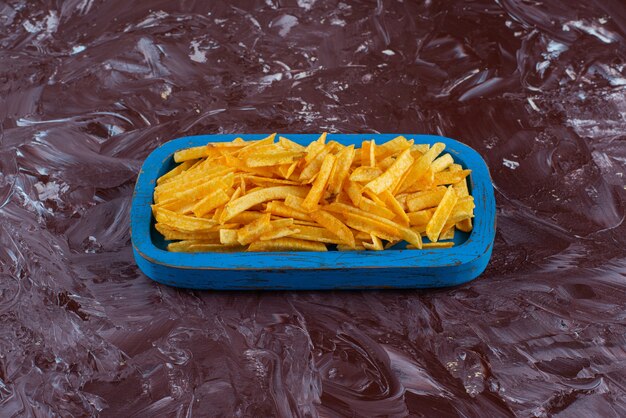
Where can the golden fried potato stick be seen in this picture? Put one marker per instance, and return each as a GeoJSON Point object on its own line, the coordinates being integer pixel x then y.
{"type": "Point", "coordinates": [210, 202]}
{"type": "Point", "coordinates": [447, 233]}
{"type": "Point", "coordinates": [432, 245]}
{"type": "Point", "coordinates": [441, 215]}
{"type": "Point", "coordinates": [426, 199]}
{"type": "Point", "coordinates": [341, 169]}
{"type": "Point", "coordinates": [420, 217]}
{"type": "Point", "coordinates": [182, 222]}
{"type": "Point", "coordinates": [287, 244]}
{"type": "Point", "coordinates": [172, 234]}
{"type": "Point", "coordinates": [334, 225]}
{"type": "Point", "coordinates": [176, 171]}
{"type": "Point", "coordinates": [442, 163]}
{"type": "Point", "coordinates": [375, 245]}
{"type": "Point", "coordinates": [365, 174]}
{"type": "Point", "coordinates": [279, 208]}
{"type": "Point", "coordinates": [254, 230]}
{"type": "Point", "coordinates": [450, 177]}
{"type": "Point", "coordinates": [279, 231]}
{"type": "Point", "coordinates": [419, 169]}
{"type": "Point", "coordinates": [289, 144]}
{"type": "Point", "coordinates": [314, 166]}
{"type": "Point", "coordinates": [368, 153]}
{"type": "Point", "coordinates": [405, 233]}
{"type": "Point", "coordinates": [315, 233]}
{"type": "Point", "coordinates": [395, 172]}
{"type": "Point", "coordinates": [395, 207]}
{"type": "Point", "coordinates": [315, 148]}
{"type": "Point", "coordinates": [393, 147]}
{"type": "Point", "coordinates": [319, 185]}
{"type": "Point", "coordinates": [259, 196]}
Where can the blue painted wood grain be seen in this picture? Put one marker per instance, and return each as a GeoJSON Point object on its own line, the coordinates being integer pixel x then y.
{"type": "Point", "coordinates": [398, 268]}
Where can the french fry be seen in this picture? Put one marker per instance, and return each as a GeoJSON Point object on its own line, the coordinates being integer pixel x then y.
{"type": "Point", "coordinates": [236, 194]}
{"type": "Point", "coordinates": [172, 234]}
{"type": "Point", "coordinates": [456, 218]}
{"type": "Point", "coordinates": [465, 225]}
{"type": "Point", "coordinates": [447, 233]}
{"type": "Point", "coordinates": [182, 222]}
{"type": "Point", "coordinates": [191, 153]}
{"type": "Point", "coordinates": [420, 148]}
{"type": "Point", "coordinates": [276, 207]}
{"type": "Point", "coordinates": [279, 232]}
{"type": "Point", "coordinates": [368, 154]}
{"type": "Point", "coordinates": [361, 236]}
{"type": "Point", "coordinates": [210, 202]}
{"type": "Point", "coordinates": [294, 201]}
{"type": "Point", "coordinates": [450, 177]}
{"type": "Point", "coordinates": [370, 206]}
{"type": "Point", "coordinates": [315, 194]}
{"type": "Point", "coordinates": [334, 225]}
{"type": "Point", "coordinates": [268, 182]}
{"type": "Point", "coordinates": [254, 230]}
{"type": "Point", "coordinates": [259, 196]}
{"type": "Point", "coordinates": [384, 164]}
{"type": "Point", "coordinates": [375, 245]}
{"type": "Point", "coordinates": [374, 197]}
{"type": "Point", "coordinates": [353, 190]}
{"type": "Point", "coordinates": [254, 146]}
{"type": "Point", "coordinates": [461, 187]}
{"type": "Point", "coordinates": [282, 223]}
{"type": "Point", "coordinates": [182, 246]}
{"type": "Point", "coordinates": [178, 206]}
{"type": "Point", "coordinates": [443, 211]}
{"type": "Point", "coordinates": [187, 181]}
{"type": "Point", "coordinates": [315, 233]}
{"type": "Point", "coordinates": [420, 217]}
{"type": "Point", "coordinates": [431, 245]}
{"type": "Point", "coordinates": [274, 158]}
{"type": "Point", "coordinates": [228, 237]}
{"type": "Point", "coordinates": [245, 217]}
{"type": "Point", "coordinates": [215, 248]}
{"type": "Point", "coordinates": [371, 226]}
{"type": "Point", "coordinates": [395, 207]}
{"type": "Point", "coordinates": [176, 171]}
{"type": "Point", "coordinates": [195, 246]}
{"type": "Point", "coordinates": [287, 244]}
{"type": "Point", "coordinates": [365, 174]}
{"type": "Point", "coordinates": [401, 198]}
{"type": "Point", "coordinates": [289, 144]}
{"type": "Point", "coordinates": [396, 171]}
{"type": "Point", "coordinates": [341, 169]}
{"type": "Point", "coordinates": [196, 193]}
{"type": "Point", "coordinates": [426, 199]}
{"type": "Point", "coordinates": [425, 183]}
{"type": "Point", "coordinates": [392, 244]}
{"type": "Point", "coordinates": [300, 222]}
{"type": "Point", "coordinates": [405, 233]}
{"type": "Point", "coordinates": [442, 163]}
{"type": "Point", "coordinates": [418, 170]}
{"type": "Point", "coordinates": [395, 146]}
{"type": "Point", "coordinates": [315, 148]}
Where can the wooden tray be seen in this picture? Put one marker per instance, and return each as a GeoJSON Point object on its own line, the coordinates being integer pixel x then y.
{"type": "Point", "coordinates": [393, 268]}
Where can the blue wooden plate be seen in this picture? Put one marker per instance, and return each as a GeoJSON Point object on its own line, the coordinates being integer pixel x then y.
{"type": "Point", "coordinates": [393, 268]}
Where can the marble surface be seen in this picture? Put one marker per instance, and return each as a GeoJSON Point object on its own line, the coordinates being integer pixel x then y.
{"type": "Point", "coordinates": [88, 88]}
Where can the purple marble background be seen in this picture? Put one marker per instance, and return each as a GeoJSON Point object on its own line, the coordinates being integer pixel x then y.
{"type": "Point", "coordinates": [88, 88]}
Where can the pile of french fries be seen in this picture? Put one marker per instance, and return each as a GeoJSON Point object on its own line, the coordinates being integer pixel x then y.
{"type": "Point", "coordinates": [269, 195]}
